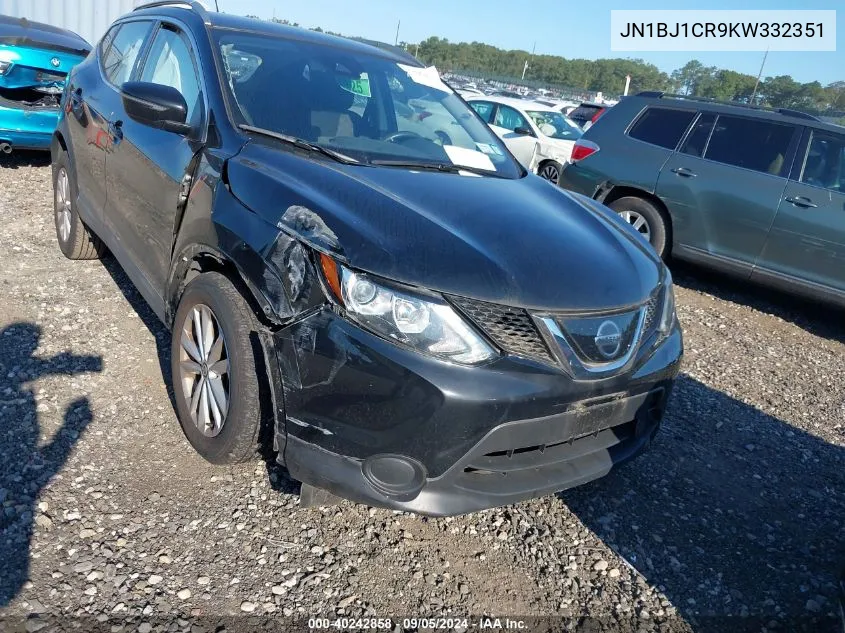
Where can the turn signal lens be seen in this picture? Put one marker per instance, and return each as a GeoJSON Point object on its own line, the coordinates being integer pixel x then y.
{"type": "Point", "coordinates": [331, 275]}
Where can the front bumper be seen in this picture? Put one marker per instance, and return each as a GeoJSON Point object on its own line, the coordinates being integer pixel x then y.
{"type": "Point", "coordinates": [385, 426]}
{"type": "Point", "coordinates": [27, 128]}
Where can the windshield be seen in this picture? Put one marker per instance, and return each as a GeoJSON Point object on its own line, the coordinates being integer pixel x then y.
{"type": "Point", "coordinates": [556, 125]}
{"type": "Point", "coordinates": [365, 106]}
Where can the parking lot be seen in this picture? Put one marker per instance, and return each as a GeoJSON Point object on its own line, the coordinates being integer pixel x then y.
{"type": "Point", "coordinates": [737, 510]}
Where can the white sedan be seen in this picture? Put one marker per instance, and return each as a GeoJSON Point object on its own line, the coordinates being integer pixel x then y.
{"type": "Point", "coordinates": [540, 137]}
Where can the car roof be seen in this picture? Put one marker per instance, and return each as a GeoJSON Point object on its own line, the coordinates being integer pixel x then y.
{"type": "Point", "coordinates": [282, 31]}
{"type": "Point", "coordinates": [519, 104]}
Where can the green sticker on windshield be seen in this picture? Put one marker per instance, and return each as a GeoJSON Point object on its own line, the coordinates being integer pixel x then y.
{"type": "Point", "coordinates": [360, 86]}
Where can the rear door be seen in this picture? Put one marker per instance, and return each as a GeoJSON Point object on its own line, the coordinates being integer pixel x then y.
{"type": "Point", "coordinates": [90, 103]}
{"type": "Point", "coordinates": [807, 239]}
{"type": "Point", "coordinates": [150, 170]}
{"type": "Point", "coordinates": [523, 146]}
{"type": "Point", "coordinates": [724, 186]}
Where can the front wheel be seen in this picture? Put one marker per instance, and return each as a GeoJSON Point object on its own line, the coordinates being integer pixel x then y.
{"type": "Point", "coordinates": [646, 219]}
{"type": "Point", "coordinates": [214, 351]}
{"type": "Point", "coordinates": [550, 171]}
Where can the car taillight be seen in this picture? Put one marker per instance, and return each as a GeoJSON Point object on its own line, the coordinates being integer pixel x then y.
{"type": "Point", "coordinates": [582, 149]}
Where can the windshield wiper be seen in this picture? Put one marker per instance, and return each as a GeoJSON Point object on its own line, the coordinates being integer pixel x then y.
{"type": "Point", "coordinates": [302, 144]}
{"type": "Point", "coordinates": [449, 168]}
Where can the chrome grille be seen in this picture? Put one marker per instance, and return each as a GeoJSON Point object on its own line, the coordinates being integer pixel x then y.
{"type": "Point", "coordinates": [604, 338]}
{"type": "Point", "coordinates": [511, 328]}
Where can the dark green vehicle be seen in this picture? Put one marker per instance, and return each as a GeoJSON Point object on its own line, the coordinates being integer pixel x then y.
{"type": "Point", "coordinates": [752, 192]}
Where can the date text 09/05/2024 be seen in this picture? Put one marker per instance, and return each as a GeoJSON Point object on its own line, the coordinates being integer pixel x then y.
{"type": "Point", "coordinates": [413, 624]}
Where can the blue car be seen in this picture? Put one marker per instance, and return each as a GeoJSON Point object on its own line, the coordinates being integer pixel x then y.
{"type": "Point", "coordinates": [35, 60]}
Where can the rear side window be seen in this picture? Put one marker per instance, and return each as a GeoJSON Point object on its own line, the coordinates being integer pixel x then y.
{"type": "Point", "coordinates": [484, 109]}
{"type": "Point", "coordinates": [662, 126]}
{"type": "Point", "coordinates": [750, 143]}
{"type": "Point", "coordinates": [700, 134]}
{"type": "Point", "coordinates": [119, 59]}
{"type": "Point", "coordinates": [108, 38]}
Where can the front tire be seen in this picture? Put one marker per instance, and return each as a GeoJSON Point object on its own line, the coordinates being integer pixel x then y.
{"type": "Point", "coordinates": [214, 352]}
{"type": "Point", "coordinates": [647, 220]}
{"type": "Point", "coordinates": [76, 240]}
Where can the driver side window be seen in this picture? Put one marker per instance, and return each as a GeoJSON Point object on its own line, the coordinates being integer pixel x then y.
{"type": "Point", "coordinates": [824, 164]}
{"type": "Point", "coordinates": [171, 63]}
{"type": "Point", "coordinates": [510, 119]}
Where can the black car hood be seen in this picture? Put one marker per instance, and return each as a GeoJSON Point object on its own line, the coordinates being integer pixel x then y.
{"type": "Point", "coordinates": [516, 242]}
{"type": "Point", "coordinates": [23, 32]}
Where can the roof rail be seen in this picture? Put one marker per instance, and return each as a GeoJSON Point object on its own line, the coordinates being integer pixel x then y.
{"type": "Point", "coordinates": [655, 94]}
{"type": "Point", "coordinates": [198, 6]}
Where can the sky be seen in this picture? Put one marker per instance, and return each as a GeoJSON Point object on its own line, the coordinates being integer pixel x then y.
{"type": "Point", "coordinates": [569, 28]}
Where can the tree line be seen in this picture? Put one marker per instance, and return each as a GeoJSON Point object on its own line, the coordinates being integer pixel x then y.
{"type": "Point", "coordinates": [608, 76]}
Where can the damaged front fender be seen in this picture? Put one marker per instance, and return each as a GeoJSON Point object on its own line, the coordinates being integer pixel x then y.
{"type": "Point", "coordinates": [276, 267]}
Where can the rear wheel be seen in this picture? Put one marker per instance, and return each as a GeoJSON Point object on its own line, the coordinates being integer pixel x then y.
{"type": "Point", "coordinates": [76, 240]}
{"type": "Point", "coordinates": [646, 219]}
{"type": "Point", "coordinates": [214, 350]}
{"type": "Point", "coordinates": [550, 171]}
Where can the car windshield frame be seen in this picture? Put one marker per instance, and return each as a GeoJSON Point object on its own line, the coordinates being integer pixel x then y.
{"type": "Point", "coordinates": [373, 76]}
{"type": "Point", "coordinates": [577, 132]}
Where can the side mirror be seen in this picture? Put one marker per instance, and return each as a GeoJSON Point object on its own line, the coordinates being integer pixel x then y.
{"type": "Point", "coordinates": [523, 131]}
{"type": "Point", "coordinates": [161, 107]}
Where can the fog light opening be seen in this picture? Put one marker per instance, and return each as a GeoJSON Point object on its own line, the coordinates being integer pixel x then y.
{"type": "Point", "coordinates": [397, 477]}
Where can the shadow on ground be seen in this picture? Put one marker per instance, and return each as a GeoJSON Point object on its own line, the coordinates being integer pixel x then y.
{"type": "Point", "coordinates": [27, 465]}
{"type": "Point", "coordinates": [24, 158]}
{"type": "Point", "coordinates": [732, 512]}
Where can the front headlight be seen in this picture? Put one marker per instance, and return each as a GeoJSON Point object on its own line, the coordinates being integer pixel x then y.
{"type": "Point", "coordinates": [424, 322]}
{"type": "Point", "coordinates": [667, 316]}
{"type": "Point", "coordinates": [4, 66]}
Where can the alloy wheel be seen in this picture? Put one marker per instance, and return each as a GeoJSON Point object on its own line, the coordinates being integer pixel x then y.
{"type": "Point", "coordinates": [550, 172]}
{"type": "Point", "coordinates": [639, 223]}
{"type": "Point", "coordinates": [63, 208]}
{"type": "Point", "coordinates": [204, 368]}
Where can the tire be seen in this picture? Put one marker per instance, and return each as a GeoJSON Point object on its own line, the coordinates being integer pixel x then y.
{"type": "Point", "coordinates": [244, 407]}
{"type": "Point", "coordinates": [550, 170]}
{"type": "Point", "coordinates": [648, 220]}
{"type": "Point", "coordinates": [76, 240]}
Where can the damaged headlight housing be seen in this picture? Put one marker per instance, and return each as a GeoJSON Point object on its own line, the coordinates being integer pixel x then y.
{"type": "Point", "coordinates": [667, 315]}
{"type": "Point", "coordinates": [4, 66]}
{"type": "Point", "coordinates": [424, 322]}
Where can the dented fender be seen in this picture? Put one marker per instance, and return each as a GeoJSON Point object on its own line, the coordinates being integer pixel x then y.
{"type": "Point", "coordinates": [275, 266]}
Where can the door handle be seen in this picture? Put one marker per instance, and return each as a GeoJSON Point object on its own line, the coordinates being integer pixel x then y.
{"type": "Point", "coordinates": [683, 171]}
{"type": "Point", "coordinates": [801, 201]}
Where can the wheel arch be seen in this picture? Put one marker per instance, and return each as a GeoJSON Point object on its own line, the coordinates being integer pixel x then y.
{"type": "Point", "coordinates": [611, 194]}
{"type": "Point", "coordinates": [198, 259]}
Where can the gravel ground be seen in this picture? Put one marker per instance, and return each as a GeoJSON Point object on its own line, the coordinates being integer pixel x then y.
{"type": "Point", "coordinates": [107, 514]}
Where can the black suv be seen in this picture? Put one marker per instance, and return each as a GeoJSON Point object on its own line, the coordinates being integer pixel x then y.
{"type": "Point", "coordinates": [753, 192]}
{"type": "Point", "coordinates": [403, 314]}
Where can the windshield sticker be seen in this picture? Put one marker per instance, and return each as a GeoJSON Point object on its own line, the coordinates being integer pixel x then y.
{"type": "Point", "coordinates": [463, 157]}
{"type": "Point", "coordinates": [428, 77]}
{"type": "Point", "coordinates": [489, 149]}
{"type": "Point", "coordinates": [360, 86]}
